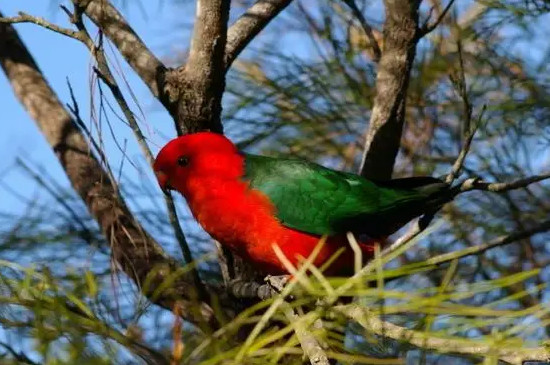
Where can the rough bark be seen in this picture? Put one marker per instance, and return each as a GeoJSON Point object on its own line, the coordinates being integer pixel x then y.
{"type": "Point", "coordinates": [388, 114]}
{"type": "Point", "coordinates": [201, 81]}
{"type": "Point", "coordinates": [135, 251]}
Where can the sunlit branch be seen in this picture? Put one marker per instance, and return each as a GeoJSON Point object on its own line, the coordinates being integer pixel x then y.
{"type": "Point", "coordinates": [109, 20]}
{"type": "Point", "coordinates": [374, 324]}
{"type": "Point", "coordinates": [247, 27]}
{"type": "Point", "coordinates": [392, 80]}
{"type": "Point", "coordinates": [26, 18]}
{"type": "Point", "coordinates": [499, 187]}
{"type": "Point", "coordinates": [311, 347]}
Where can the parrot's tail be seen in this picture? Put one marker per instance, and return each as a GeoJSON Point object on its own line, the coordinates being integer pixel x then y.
{"type": "Point", "coordinates": [431, 195]}
{"type": "Point", "coordinates": [436, 192]}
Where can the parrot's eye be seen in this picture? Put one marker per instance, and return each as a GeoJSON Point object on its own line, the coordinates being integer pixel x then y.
{"type": "Point", "coordinates": [183, 161]}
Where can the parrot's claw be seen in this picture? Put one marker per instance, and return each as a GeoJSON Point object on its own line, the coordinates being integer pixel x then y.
{"type": "Point", "coordinates": [277, 283]}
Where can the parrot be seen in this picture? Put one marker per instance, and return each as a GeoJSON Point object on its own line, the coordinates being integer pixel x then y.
{"type": "Point", "coordinates": [252, 203]}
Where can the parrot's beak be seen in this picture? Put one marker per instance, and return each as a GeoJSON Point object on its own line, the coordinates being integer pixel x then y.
{"type": "Point", "coordinates": [164, 182]}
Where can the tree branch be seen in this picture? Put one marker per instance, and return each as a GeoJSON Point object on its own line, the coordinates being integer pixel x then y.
{"type": "Point", "coordinates": [422, 340]}
{"type": "Point", "coordinates": [468, 185]}
{"type": "Point", "coordinates": [256, 18]}
{"type": "Point", "coordinates": [311, 347]}
{"type": "Point", "coordinates": [107, 18]}
{"type": "Point", "coordinates": [499, 187]}
{"type": "Point", "coordinates": [497, 242]}
{"type": "Point", "coordinates": [105, 74]}
{"type": "Point", "coordinates": [427, 28]}
{"type": "Point", "coordinates": [18, 356]}
{"type": "Point", "coordinates": [200, 83]}
{"type": "Point", "coordinates": [26, 18]}
{"type": "Point", "coordinates": [139, 256]}
{"type": "Point", "coordinates": [388, 113]}
{"type": "Point", "coordinates": [376, 51]}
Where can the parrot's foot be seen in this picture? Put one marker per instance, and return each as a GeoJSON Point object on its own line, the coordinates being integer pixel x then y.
{"type": "Point", "coordinates": [251, 289]}
{"type": "Point", "coordinates": [277, 283]}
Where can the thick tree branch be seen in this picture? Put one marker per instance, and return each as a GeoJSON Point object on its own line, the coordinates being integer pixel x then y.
{"type": "Point", "coordinates": [256, 18]}
{"type": "Point", "coordinates": [388, 114]}
{"type": "Point", "coordinates": [107, 18]}
{"type": "Point", "coordinates": [200, 83]}
{"type": "Point", "coordinates": [139, 256]}
{"type": "Point", "coordinates": [422, 340]}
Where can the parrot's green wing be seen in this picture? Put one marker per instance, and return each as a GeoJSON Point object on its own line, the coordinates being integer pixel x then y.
{"type": "Point", "coordinates": [314, 199]}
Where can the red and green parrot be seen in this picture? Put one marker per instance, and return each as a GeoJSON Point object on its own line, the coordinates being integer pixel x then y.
{"type": "Point", "coordinates": [250, 203]}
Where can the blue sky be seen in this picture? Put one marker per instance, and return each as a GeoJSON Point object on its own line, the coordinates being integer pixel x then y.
{"type": "Point", "coordinates": [61, 58]}
{"type": "Point", "coordinates": [165, 27]}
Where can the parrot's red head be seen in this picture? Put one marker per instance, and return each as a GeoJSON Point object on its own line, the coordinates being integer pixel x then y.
{"type": "Point", "coordinates": [199, 155]}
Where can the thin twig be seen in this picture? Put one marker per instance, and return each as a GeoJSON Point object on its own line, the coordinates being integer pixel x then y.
{"type": "Point", "coordinates": [111, 22]}
{"type": "Point", "coordinates": [468, 185]}
{"type": "Point", "coordinates": [415, 229]}
{"type": "Point", "coordinates": [459, 162]}
{"type": "Point", "coordinates": [498, 187]}
{"type": "Point", "coordinates": [428, 28]}
{"type": "Point", "coordinates": [376, 51]}
{"type": "Point", "coordinates": [18, 356]}
{"type": "Point", "coordinates": [497, 242]}
{"type": "Point", "coordinates": [27, 18]}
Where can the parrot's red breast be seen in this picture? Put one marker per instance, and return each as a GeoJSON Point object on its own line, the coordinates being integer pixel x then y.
{"type": "Point", "coordinates": [208, 170]}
